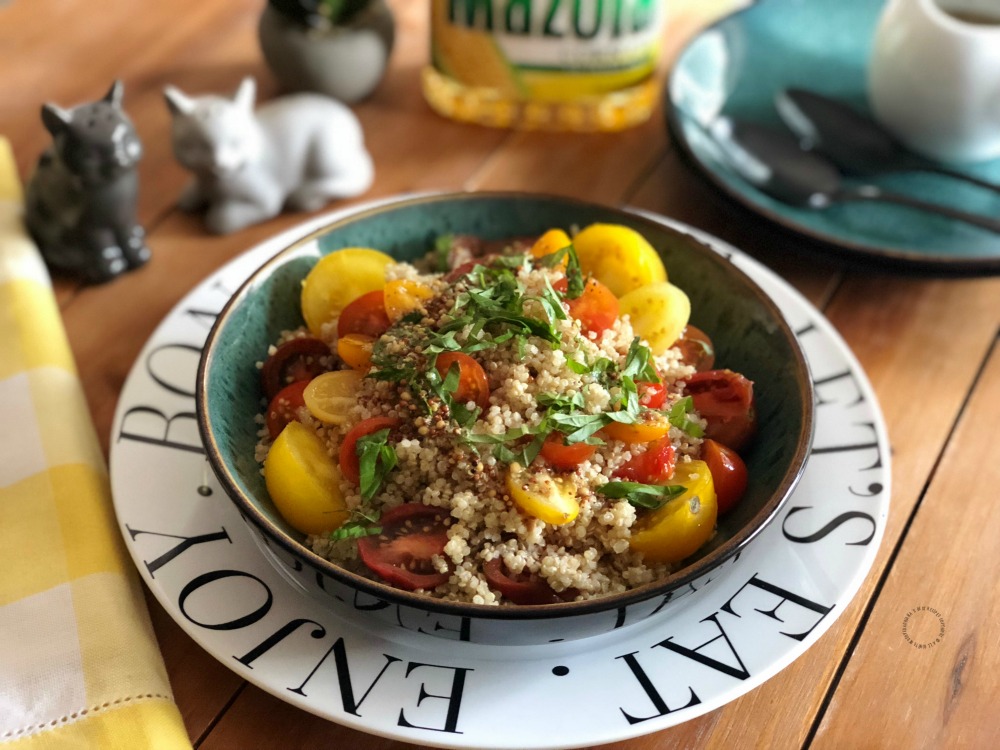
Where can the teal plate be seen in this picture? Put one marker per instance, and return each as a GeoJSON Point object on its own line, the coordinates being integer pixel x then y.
{"type": "Point", "coordinates": [736, 67]}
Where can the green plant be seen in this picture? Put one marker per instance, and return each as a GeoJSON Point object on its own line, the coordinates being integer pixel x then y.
{"type": "Point", "coordinates": [319, 14]}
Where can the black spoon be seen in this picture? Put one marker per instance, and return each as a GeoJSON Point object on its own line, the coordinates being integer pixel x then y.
{"type": "Point", "coordinates": [854, 142]}
{"type": "Point", "coordinates": [773, 161]}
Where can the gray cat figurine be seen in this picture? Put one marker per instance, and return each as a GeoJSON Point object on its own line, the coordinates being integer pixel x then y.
{"type": "Point", "coordinates": [80, 202]}
{"type": "Point", "coordinates": [298, 151]}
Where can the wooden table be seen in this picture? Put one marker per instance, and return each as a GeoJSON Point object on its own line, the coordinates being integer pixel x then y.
{"type": "Point", "coordinates": [927, 344]}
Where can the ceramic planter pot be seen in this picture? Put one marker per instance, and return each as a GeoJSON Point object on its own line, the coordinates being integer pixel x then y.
{"type": "Point", "coordinates": [345, 61]}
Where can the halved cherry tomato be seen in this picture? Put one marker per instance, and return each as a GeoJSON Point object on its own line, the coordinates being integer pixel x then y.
{"type": "Point", "coordinates": [297, 359]}
{"type": "Point", "coordinates": [337, 279]}
{"type": "Point", "coordinates": [552, 241]}
{"type": "Point", "coordinates": [565, 457]}
{"type": "Point", "coordinates": [596, 308]}
{"type": "Point", "coordinates": [678, 529]}
{"type": "Point", "coordinates": [696, 348]}
{"type": "Point", "coordinates": [728, 472]}
{"type": "Point", "coordinates": [350, 463]}
{"type": "Point", "coordinates": [655, 465]}
{"type": "Point", "coordinates": [653, 426]}
{"type": "Point", "coordinates": [523, 588]}
{"type": "Point", "coordinates": [356, 350]}
{"type": "Point", "coordinates": [472, 382]}
{"type": "Point", "coordinates": [284, 407]}
{"type": "Point", "coordinates": [725, 399]}
{"type": "Point", "coordinates": [303, 480]}
{"type": "Point", "coordinates": [411, 535]}
{"type": "Point", "coordinates": [403, 296]}
{"type": "Point", "coordinates": [330, 396]}
{"type": "Point", "coordinates": [365, 315]}
{"type": "Point", "coordinates": [537, 493]}
{"type": "Point", "coordinates": [651, 395]}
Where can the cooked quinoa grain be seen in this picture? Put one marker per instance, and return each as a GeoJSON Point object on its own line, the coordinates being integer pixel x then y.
{"type": "Point", "coordinates": [454, 439]}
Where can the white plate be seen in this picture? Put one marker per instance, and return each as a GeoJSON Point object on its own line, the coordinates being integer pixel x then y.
{"type": "Point", "coordinates": [760, 612]}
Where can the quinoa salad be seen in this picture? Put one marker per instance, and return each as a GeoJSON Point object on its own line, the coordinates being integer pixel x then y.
{"type": "Point", "coordinates": [531, 421]}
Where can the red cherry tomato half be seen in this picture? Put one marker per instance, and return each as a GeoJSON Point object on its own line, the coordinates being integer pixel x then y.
{"type": "Point", "coordinates": [696, 348]}
{"type": "Point", "coordinates": [365, 315]}
{"type": "Point", "coordinates": [472, 382]}
{"type": "Point", "coordinates": [523, 588]}
{"type": "Point", "coordinates": [655, 465]}
{"type": "Point", "coordinates": [725, 399]}
{"type": "Point", "coordinates": [596, 308]}
{"type": "Point", "coordinates": [284, 407]}
{"type": "Point", "coordinates": [652, 395]}
{"type": "Point", "coordinates": [295, 360]}
{"type": "Point", "coordinates": [729, 474]}
{"type": "Point", "coordinates": [350, 463]}
{"type": "Point", "coordinates": [565, 457]}
{"type": "Point", "coordinates": [401, 555]}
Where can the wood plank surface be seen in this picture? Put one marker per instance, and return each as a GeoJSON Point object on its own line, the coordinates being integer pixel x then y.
{"type": "Point", "coordinates": [928, 346]}
{"type": "Point", "coordinates": [936, 625]}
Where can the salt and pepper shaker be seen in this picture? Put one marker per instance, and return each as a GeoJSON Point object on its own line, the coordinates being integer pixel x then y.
{"type": "Point", "coordinates": [298, 151]}
{"type": "Point", "coordinates": [80, 202]}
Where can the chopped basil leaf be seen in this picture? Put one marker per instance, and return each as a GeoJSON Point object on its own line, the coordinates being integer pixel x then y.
{"type": "Point", "coordinates": [525, 456]}
{"type": "Point", "coordinates": [649, 496]}
{"type": "Point", "coordinates": [555, 402]}
{"type": "Point", "coordinates": [574, 276]}
{"type": "Point", "coordinates": [639, 363]}
{"type": "Point", "coordinates": [362, 523]}
{"type": "Point", "coordinates": [376, 459]}
{"type": "Point", "coordinates": [677, 416]}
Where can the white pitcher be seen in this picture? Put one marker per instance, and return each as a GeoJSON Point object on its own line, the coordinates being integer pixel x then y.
{"type": "Point", "coordinates": [934, 76]}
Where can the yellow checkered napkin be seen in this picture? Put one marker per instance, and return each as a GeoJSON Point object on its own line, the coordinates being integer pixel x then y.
{"type": "Point", "coordinates": [79, 665]}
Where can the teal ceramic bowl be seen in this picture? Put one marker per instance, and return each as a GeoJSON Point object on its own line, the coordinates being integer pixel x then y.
{"type": "Point", "coordinates": [750, 336]}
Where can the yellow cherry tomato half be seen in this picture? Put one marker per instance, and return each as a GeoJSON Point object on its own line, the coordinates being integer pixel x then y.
{"type": "Point", "coordinates": [337, 280]}
{"type": "Point", "coordinates": [304, 481]}
{"type": "Point", "coordinates": [356, 350]}
{"type": "Point", "coordinates": [638, 432]}
{"type": "Point", "coordinates": [679, 529]}
{"type": "Point", "coordinates": [659, 313]}
{"type": "Point", "coordinates": [403, 296]}
{"type": "Point", "coordinates": [330, 396]}
{"type": "Point", "coordinates": [540, 495]}
{"type": "Point", "coordinates": [552, 241]}
{"type": "Point", "coordinates": [619, 257]}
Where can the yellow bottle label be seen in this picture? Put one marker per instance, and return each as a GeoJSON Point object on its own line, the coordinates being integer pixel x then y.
{"type": "Point", "coordinates": [524, 52]}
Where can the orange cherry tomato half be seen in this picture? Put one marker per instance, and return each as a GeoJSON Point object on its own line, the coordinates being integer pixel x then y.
{"type": "Point", "coordinates": [596, 308]}
{"type": "Point", "coordinates": [565, 457]}
{"type": "Point", "coordinates": [297, 359]}
{"type": "Point", "coordinates": [725, 399]}
{"type": "Point", "coordinates": [412, 534]}
{"type": "Point", "coordinates": [653, 426]}
{"type": "Point", "coordinates": [655, 465]}
{"type": "Point", "coordinates": [365, 315]}
{"type": "Point", "coordinates": [523, 588]}
{"type": "Point", "coordinates": [696, 348]}
{"type": "Point", "coordinates": [284, 407]}
{"type": "Point", "coordinates": [728, 472]}
{"type": "Point", "coordinates": [472, 382]}
{"type": "Point", "coordinates": [350, 462]}
{"type": "Point", "coordinates": [356, 350]}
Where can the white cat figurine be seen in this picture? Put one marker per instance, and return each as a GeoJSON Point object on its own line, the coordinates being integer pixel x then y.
{"type": "Point", "coordinates": [299, 151]}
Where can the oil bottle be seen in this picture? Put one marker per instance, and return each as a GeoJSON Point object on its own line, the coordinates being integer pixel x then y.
{"type": "Point", "coordinates": [564, 65]}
